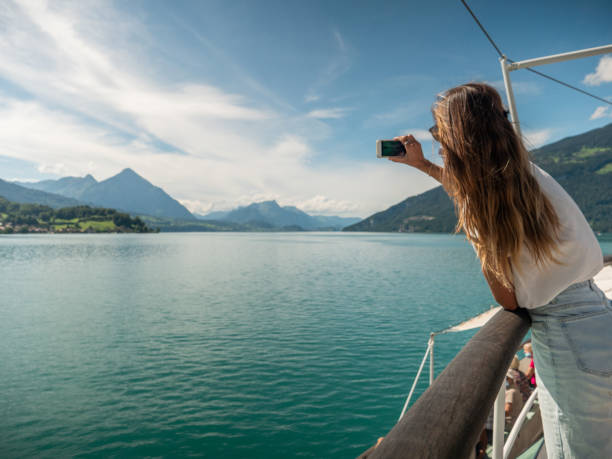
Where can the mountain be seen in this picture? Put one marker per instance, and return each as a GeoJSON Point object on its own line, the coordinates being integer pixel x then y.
{"type": "Point", "coordinates": [582, 164]}
{"type": "Point", "coordinates": [429, 212]}
{"type": "Point", "coordinates": [72, 187]}
{"type": "Point", "coordinates": [129, 191]}
{"type": "Point", "coordinates": [21, 194]}
{"type": "Point", "coordinates": [269, 213]}
{"type": "Point", "coordinates": [126, 191]}
{"type": "Point", "coordinates": [216, 215]}
{"type": "Point", "coordinates": [331, 222]}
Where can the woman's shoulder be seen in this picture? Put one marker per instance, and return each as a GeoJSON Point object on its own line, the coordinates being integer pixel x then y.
{"type": "Point", "coordinates": [562, 202]}
{"type": "Point", "coordinates": [545, 180]}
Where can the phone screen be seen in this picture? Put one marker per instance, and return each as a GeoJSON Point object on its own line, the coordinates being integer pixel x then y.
{"type": "Point", "coordinates": [391, 148]}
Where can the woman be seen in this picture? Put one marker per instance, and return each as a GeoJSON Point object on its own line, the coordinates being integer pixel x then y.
{"type": "Point", "coordinates": [537, 252]}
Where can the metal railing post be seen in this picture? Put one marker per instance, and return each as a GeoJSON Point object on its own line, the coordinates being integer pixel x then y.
{"type": "Point", "coordinates": [499, 418]}
{"type": "Point", "coordinates": [510, 96]}
{"type": "Point", "coordinates": [431, 359]}
{"type": "Point", "coordinates": [528, 63]}
{"type": "Point", "coordinates": [514, 433]}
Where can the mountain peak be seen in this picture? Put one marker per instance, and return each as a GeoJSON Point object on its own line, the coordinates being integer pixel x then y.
{"type": "Point", "coordinates": [128, 171]}
{"type": "Point", "coordinates": [128, 175]}
{"type": "Point", "coordinates": [127, 191]}
{"type": "Point", "coordinates": [271, 203]}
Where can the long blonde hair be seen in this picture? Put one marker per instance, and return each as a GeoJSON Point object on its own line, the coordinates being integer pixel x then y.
{"type": "Point", "coordinates": [499, 203]}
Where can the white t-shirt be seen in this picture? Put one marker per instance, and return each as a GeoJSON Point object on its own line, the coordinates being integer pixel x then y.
{"type": "Point", "coordinates": [580, 254]}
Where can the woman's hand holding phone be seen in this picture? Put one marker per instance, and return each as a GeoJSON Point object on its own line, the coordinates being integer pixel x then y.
{"type": "Point", "coordinates": [414, 153]}
{"type": "Point", "coordinates": [414, 157]}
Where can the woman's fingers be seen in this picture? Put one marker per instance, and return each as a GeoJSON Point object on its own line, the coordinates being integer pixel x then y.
{"type": "Point", "coordinates": [413, 153]}
{"type": "Point", "coordinates": [408, 141]}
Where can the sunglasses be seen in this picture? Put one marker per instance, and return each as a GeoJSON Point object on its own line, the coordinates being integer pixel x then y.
{"type": "Point", "coordinates": [434, 132]}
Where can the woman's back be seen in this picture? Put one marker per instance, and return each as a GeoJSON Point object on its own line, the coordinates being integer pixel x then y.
{"type": "Point", "coordinates": [579, 255]}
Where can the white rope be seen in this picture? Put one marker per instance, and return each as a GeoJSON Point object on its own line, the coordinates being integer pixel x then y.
{"type": "Point", "coordinates": [519, 423]}
{"type": "Point", "coordinates": [429, 345]}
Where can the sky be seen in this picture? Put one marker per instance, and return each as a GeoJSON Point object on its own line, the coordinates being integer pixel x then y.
{"type": "Point", "coordinates": [224, 103]}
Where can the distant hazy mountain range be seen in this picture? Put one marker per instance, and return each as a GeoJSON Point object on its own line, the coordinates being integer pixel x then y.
{"type": "Point", "coordinates": [16, 193]}
{"type": "Point", "coordinates": [270, 213]}
{"type": "Point", "coordinates": [582, 164]}
{"type": "Point", "coordinates": [129, 192]}
{"type": "Point", "coordinates": [125, 191]}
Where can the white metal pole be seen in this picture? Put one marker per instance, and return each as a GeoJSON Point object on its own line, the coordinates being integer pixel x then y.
{"type": "Point", "coordinates": [560, 57]}
{"type": "Point", "coordinates": [499, 417]}
{"type": "Point", "coordinates": [431, 359]}
{"type": "Point", "coordinates": [516, 428]}
{"type": "Point", "coordinates": [510, 96]}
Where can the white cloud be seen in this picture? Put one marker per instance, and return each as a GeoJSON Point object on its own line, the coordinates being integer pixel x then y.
{"type": "Point", "coordinates": [55, 169]}
{"type": "Point", "coordinates": [601, 112]}
{"type": "Point", "coordinates": [197, 207]}
{"type": "Point", "coordinates": [323, 205]}
{"type": "Point", "coordinates": [291, 147]}
{"type": "Point", "coordinates": [97, 108]}
{"type": "Point", "coordinates": [327, 113]}
{"type": "Point", "coordinates": [339, 40]}
{"type": "Point", "coordinates": [339, 62]}
{"type": "Point", "coordinates": [602, 74]}
{"type": "Point", "coordinates": [537, 138]}
{"type": "Point", "coordinates": [422, 135]}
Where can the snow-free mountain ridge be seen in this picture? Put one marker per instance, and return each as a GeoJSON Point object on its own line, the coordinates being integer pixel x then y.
{"type": "Point", "coordinates": [126, 191]}
{"type": "Point", "coordinates": [271, 213]}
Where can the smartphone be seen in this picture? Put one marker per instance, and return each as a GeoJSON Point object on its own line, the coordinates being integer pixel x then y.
{"type": "Point", "coordinates": [386, 148]}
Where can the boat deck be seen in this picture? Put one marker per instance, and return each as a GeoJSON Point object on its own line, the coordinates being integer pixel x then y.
{"type": "Point", "coordinates": [604, 280]}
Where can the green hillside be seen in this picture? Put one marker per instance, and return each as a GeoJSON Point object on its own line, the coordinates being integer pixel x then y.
{"type": "Point", "coordinates": [36, 218]}
{"type": "Point", "coordinates": [582, 164]}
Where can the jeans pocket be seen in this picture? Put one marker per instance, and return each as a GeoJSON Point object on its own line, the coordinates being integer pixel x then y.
{"type": "Point", "coordinates": [590, 339]}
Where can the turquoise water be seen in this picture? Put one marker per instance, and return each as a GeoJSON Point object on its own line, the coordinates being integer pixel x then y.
{"type": "Point", "coordinates": [259, 345]}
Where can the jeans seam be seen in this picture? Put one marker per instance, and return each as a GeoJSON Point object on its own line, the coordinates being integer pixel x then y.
{"type": "Point", "coordinates": [546, 333]}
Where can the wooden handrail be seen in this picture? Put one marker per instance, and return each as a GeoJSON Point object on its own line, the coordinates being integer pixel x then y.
{"type": "Point", "coordinates": [446, 421]}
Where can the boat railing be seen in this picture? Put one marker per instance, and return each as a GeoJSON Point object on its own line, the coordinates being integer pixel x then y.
{"type": "Point", "coordinates": [448, 418]}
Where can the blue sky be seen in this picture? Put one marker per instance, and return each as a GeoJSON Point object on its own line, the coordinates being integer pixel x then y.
{"type": "Point", "coordinates": [223, 103]}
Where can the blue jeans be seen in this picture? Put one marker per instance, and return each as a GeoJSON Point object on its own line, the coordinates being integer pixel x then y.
{"type": "Point", "coordinates": [572, 347]}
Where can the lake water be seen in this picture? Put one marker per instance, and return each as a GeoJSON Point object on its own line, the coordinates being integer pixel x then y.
{"type": "Point", "coordinates": [222, 345]}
